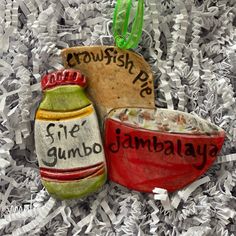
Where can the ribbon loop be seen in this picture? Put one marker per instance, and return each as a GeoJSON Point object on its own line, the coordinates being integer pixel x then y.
{"type": "Point", "coordinates": [123, 38]}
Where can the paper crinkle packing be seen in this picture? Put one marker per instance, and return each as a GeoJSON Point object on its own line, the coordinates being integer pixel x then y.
{"type": "Point", "coordinates": [191, 48]}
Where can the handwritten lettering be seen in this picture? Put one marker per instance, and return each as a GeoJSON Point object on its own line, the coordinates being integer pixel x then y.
{"type": "Point", "coordinates": [61, 131]}
{"type": "Point", "coordinates": [143, 77]}
{"type": "Point", "coordinates": [111, 56]}
{"type": "Point", "coordinates": [55, 153]}
{"type": "Point", "coordinates": [167, 147]}
{"type": "Point", "coordinates": [57, 133]}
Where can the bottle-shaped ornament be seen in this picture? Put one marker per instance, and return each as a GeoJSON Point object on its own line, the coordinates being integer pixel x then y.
{"type": "Point", "coordinates": [67, 137]}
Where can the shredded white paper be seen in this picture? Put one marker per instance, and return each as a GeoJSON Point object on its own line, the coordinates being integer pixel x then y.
{"type": "Point", "coordinates": [190, 46]}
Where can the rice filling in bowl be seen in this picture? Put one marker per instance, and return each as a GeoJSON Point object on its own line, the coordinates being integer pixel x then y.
{"type": "Point", "coordinates": [163, 120]}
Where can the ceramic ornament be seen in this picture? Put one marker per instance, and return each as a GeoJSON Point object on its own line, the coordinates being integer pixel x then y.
{"type": "Point", "coordinates": [148, 148]}
{"type": "Point", "coordinates": [67, 137]}
{"type": "Point", "coordinates": [145, 147]}
{"type": "Point", "coordinates": [117, 77]}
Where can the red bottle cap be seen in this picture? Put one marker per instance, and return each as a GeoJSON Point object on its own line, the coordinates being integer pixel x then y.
{"type": "Point", "coordinates": [63, 77]}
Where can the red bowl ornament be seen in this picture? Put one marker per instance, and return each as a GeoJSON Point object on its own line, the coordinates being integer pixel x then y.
{"type": "Point", "coordinates": [148, 148]}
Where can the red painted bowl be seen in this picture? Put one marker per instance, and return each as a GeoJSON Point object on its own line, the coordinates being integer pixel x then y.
{"type": "Point", "coordinates": [148, 148]}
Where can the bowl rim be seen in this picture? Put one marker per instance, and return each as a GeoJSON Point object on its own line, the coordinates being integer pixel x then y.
{"type": "Point", "coordinates": [218, 132]}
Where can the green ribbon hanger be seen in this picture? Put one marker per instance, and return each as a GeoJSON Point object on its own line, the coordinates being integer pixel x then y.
{"type": "Point", "coordinates": [123, 38]}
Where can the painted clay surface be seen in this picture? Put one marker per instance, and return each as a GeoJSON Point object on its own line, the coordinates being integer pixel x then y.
{"type": "Point", "coordinates": [143, 154]}
{"type": "Point", "coordinates": [68, 142]}
{"type": "Point", "coordinates": [163, 120]}
{"type": "Point", "coordinates": [58, 141]}
{"type": "Point", "coordinates": [115, 77]}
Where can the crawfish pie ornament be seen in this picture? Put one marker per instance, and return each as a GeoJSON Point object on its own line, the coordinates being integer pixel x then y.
{"type": "Point", "coordinates": [117, 77]}
{"type": "Point", "coordinates": [67, 137]}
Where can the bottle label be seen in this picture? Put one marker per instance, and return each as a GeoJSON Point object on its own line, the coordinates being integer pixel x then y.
{"type": "Point", "coordinates": [69, 143]}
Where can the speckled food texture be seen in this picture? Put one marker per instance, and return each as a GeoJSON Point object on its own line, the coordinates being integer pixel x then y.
{"type": "Point", "coordinates": [162, 120]}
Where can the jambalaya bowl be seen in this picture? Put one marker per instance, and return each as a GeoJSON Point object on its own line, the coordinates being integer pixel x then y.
{"type": "Point", "coordinates": [169, 149]}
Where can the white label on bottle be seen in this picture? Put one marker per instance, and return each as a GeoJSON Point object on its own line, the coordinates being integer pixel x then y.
{"type": "Point", "coordinates": [67, 144]}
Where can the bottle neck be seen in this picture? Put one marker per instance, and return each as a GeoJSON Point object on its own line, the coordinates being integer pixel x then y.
{"type": "Point", "coordinates": [64, 98]}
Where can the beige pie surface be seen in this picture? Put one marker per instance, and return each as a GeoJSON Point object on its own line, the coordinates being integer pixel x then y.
{"type": "Point", "coordinates": [116, 78]}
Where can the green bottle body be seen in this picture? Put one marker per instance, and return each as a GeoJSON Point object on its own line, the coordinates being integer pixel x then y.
{"type": "Point", "coordinates": [68, 143]}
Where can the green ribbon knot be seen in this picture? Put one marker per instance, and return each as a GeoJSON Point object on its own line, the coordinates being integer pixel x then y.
{"type": "Point", "coordinates": [123, 38]}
